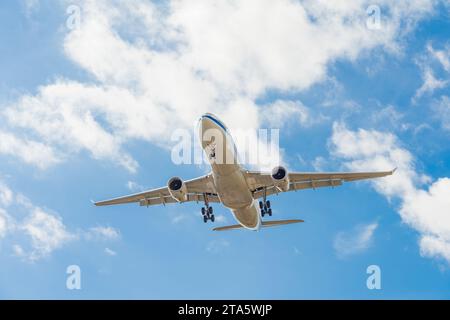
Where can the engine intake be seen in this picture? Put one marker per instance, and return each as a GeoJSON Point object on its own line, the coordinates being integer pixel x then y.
{"type": "Point", "coordinates": [177, 189]}
{"type": "Point", "coordinates": [281, 178]}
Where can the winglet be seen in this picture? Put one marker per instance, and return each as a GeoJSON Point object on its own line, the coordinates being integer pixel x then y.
{"type": "Point", "coordinates": [393, 171]}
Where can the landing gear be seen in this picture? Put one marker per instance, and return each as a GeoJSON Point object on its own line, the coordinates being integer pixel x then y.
{"type": "Point", "coordinates": [212, 154]}
{"type": "Point", "coordinates": [207, 211]}
{"type": "Point", "coordinates": [265, 206]}
{"type": "Point", "coordinates": [265, 209]}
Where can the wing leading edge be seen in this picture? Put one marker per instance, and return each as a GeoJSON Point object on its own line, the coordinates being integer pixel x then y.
{"type": "Point", "coordinates": [197, 190]}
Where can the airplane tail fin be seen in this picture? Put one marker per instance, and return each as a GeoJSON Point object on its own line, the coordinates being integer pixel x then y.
{"type": "Point", "coordinates": [265, 224]}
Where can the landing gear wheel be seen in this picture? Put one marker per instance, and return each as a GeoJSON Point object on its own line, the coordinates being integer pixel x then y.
{"type": "Point", "coordinates": [269, 212]}
{"type": "Point", "coordinates": [207, 211]}
{"type": "Point", "coordinates": [268, 204]}
{"type": "Point", "coordinates": [261, 205]}
{"type": "Point", "coordinates": [263, 213]}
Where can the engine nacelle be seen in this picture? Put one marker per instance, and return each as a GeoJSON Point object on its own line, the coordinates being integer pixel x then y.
{"type": "Point", "coordinates": [177, 189]}
{"type": "Point", "coordinates": [281, 178]}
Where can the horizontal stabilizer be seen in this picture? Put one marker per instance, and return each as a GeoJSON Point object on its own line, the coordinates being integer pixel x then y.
{"type": "Point", "coordinates": [265, 224]}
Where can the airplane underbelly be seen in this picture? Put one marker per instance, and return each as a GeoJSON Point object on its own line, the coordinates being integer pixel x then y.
{"type": "Point", "coordinates": [233, 190]}
{"type": "Point", "coordinates": [248, 217]}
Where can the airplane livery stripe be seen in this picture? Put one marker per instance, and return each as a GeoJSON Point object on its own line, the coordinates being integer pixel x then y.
{"type": "Point", "coordinates": [216, 122]}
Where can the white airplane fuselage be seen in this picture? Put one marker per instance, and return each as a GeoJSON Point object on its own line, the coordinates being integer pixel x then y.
{"type": "Point", "coordinates": [228, 175]}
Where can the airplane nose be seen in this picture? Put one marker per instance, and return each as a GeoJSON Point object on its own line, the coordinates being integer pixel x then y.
{"type": "Point", "coordinates": [203, 121]}
{"type": "Point", "coordinates": [208, 125]}
{"type": "Point", "coordinates": [202, 127]}
{"type": "Point", "coordinates": [207, 122]}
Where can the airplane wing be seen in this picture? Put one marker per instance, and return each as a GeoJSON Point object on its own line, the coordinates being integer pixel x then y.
{"type": "Point", "coordinates": [196, 191]}
{"type": "Point", "coordinates": [258, 181]}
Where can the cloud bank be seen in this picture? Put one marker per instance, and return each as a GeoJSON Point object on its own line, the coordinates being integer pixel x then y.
{"type": "Point", "coordinates": [423, 203]}
{"type": "Point", "coordinates": [33, 233]}
{"type": "Point", "coordinates": [156, 67]}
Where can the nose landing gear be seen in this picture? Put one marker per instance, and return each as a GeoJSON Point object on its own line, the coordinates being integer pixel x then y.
{"type": "Point", "coordinates": [207, 211]}
{"type": "Point", "coordinates": [265, 206]}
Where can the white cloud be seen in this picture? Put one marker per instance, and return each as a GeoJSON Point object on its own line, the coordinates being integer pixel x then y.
{"type": "Point", "coordinates": [423, 208]}
{"type": "Point", "coordinates": [62, 114]}
{"type": "Point", "coordinates": [435, 247]}
{"type": "Point", "coordinates": [47, 233]}
{"type": "Point", "coordinates": [280, 112]}
{"type": "Point", "coordinates": [356, 241]}
{"type": "Point", "coordinates": [217, 246]}
{"type": "Point", "coordinates": [427, 63]}
{"type": "Point", "coordinates": [29, 151]}
{"type": "Point", "coordinates": [378, 151]}
{"type": "Point", "coordinates": [18, 251]}
{"type": "Point", "coordinates": [36, 232]}
{"type": "Point", "coordinates": [110, 252]}
{"type": "Point", "coordinates": [31, 6]}
{"type": "Point", "coordinates": [430, 83]}
{"type": "Point", "coordinates": [320, 163]}
{"type": "Point", "coordinates": [443, 56]}
{"type": "Point", "coordinates": [155, 70]}
{"type": "Point", "coordinates": [221, 218]}
{"type": "Point", "coordinates": [178, 218]}
{"type": "Point", "coordinates": [102, 233]}
{"type": "Point", "coordinates": [389, 115]}
{"type": "Point", "coordinates": [6, 195]}
{"type": "Point", "coordinates": [4, 223]}
{"type": "Point", "coordinates": [134, 186]}
{"type": "Point", "coordinates": [244, 47]}
{"type": "Point", "coordinates": [442, 112]}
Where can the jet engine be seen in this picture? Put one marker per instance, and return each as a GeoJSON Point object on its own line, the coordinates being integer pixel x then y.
{"type": "Point", "coordinates": [177, 189]}
{"type": "Point", "coordinates": [281, 178]}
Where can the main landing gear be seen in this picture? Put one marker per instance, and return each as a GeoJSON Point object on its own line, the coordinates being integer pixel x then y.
{"type": "Point", "coordinates": [207, 211]}
{"type": "Point", "coordinates": [265, 206]}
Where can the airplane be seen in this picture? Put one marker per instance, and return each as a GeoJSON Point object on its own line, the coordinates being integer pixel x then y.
{"type": "Point", "coordinates": [242, 191]}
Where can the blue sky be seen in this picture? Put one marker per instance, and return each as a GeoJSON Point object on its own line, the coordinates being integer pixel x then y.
{"type": "Point", "coordinates": [87, 113]}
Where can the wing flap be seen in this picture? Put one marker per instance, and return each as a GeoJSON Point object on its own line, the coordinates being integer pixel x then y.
{"type": "Point", "coordinates": [294, 186]}
{"type": "Point", "coordinates": [258, 181]}
{"type": "Point", "coordinates": [315, 184]}
{"type": "Point", "coordinates": [166, 200]}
